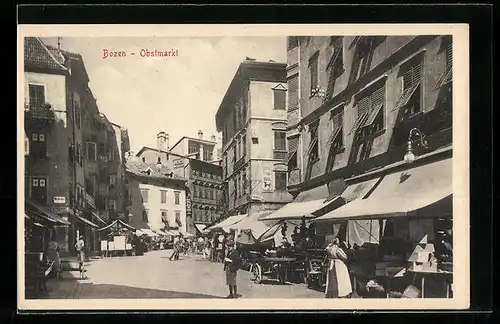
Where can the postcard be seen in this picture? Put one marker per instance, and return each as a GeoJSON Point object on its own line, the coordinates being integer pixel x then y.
{"type": "Point", "coordinates": [249, 167]}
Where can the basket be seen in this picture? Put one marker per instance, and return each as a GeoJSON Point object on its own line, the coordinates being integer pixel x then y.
{"type": "Point", "coordinates": [411, 292]}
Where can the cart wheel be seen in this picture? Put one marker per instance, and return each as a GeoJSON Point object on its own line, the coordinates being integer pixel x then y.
{"type": "Point", "coordinates": [257, 273]}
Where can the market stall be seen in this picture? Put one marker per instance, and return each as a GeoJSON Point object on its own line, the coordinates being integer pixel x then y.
{"type": "Point", "coordinates": [400, 229]}
{"type": "Point", "coordinates": [118, 240]}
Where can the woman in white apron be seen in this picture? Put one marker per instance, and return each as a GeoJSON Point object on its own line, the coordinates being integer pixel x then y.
{"type": "Point", "coordinates": [338, 281]}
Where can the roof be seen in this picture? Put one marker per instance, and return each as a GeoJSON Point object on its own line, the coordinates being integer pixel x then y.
{"type": "Point", "coordinates": [194, 139]}
{"type": "Point", "coordinates": [248, 70]}
{"type": "Point", "coordinates": [38, 56]}
{"type": "Point", "coordinates": [144, 148]}
{"type": "Point", "coordinates": [158, 171]}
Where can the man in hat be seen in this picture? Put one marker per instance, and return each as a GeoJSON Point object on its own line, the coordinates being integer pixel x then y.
{"type": "Point", "coordinates": [232, 264]}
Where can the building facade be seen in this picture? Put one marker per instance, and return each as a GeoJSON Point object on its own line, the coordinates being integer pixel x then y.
{"type": "Point", "coordinates": [156, 196]}
{"type": "Point", "coordinates": [253, 120]}
{"type": "Point", "coordinates": [61, 117]}
{"type": "Point", "coordinates": [204, 190]}
{"type": "Point", "coordinates": [352, 102]}
{"type": "Point", "coordinates": [199, 148]}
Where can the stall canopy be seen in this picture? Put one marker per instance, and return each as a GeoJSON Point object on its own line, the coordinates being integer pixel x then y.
{"type": "Point", "coordinates": [274, 231]}
{"type": "Point", "coordinates": [116, 223]}
{"type": "Point", "coordinates": [200, 227]}
{"type": "Point", "coordinates": [37, 210]}
{"type": "Point", "coordinates": [424, 191]}
{"type": "Point", "coordinates": [252, 227]}
{"type": "Point", "coordinates": [86, 221]}
{"type": "Point", "coordinates": [97, 217]}
{"type": "Point", "coordinates": [307, 204]}
{"type": "Point", "coordinates": [224, 225]}
{"type": "Point", "coordinates": [186, 234]}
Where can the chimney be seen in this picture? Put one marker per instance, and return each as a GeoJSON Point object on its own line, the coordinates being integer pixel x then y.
{"type": "Point", "coordinates": [161, 140]}
{"type": "Point", "coordinates": [200, 134]}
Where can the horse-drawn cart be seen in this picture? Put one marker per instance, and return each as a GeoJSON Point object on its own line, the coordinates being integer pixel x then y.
{"type": "Point", "coordinates": [271, 268]}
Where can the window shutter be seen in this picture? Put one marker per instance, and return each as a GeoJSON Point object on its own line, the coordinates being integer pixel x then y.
{"type": "Point", "coordinates": [378, 97]}
{"type": "Point", "coordinates": [363, 106]}
{"type": "Point", "coordinates": [293, 144]}
{"type": "Point", "coordinates": [279, 99]}
{"type": "Point", "coordinates": [293, 94]}
{"type": "Point", "coordinates": [407, 79]}
{"type": "Point", "coordinates": [417, 73]}
{"type": "Point", "coordinates": [449, 55]}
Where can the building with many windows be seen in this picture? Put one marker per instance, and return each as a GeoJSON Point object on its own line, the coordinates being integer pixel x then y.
{"type": "Point", "coordinates": [252, 119]}
{"type": "Point", "coordinates": [204, 190]}
{"type": "Point", "coordinates": [370, 120]}
{"type": "Point", "coordinates": [61, 117]}
{"type": "Point", "coordinates": [156, 196]}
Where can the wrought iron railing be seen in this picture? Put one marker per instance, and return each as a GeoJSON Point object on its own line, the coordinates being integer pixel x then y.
{"type": "Point", "coordinates": [43, 111]}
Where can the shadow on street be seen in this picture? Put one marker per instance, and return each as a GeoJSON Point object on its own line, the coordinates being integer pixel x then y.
{"type": "Point", "coordinates": [98, 291]}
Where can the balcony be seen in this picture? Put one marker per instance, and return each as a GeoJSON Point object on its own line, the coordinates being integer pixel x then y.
{"type": "Point", "coordinates": [39, 115]}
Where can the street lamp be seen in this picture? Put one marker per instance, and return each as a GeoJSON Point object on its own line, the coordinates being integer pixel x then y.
{"type": "Point", "coordinates": [410, 156]}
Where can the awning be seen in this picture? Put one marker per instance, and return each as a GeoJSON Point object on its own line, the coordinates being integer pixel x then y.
{"type": "Point", "coordinates": [186, 234]}
{"type": "Point", "coordinates": [304, 205]}
{"type": "Point", "coordinates": [424, 191]}
{"type": "Point", "coordinates": [148, 232]}
{"type": "Point", "coordinates": [42, 211]}
{"type": "Point", "coordinates": [274, 230]}
{"type": "Point", "coordinates": [227, 222]}
{"type": "Point", "coordinates": [116, 222]}
{"type": "Point", "coordinates": [174, 232]}
{"type": "Point", "coordinates": [200, 227]}
{"type": "Point", "coordinates": [252, 227]}
{"type": "Point", "coordinates": [86, 221]}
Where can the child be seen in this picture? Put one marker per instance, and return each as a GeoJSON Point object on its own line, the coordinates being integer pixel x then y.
{"type": "Point", "coordinates": [231, 267]}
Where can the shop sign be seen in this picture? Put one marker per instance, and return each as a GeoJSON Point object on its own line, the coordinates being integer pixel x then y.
{"type": "Point", "coordinates": [188, 205]}
{"type": "Point", "coordinates": [59, 200]}
{"type": "Point", "coordinates": [178, 163]}
{"type": "Point", "coordinates": [59, 209]}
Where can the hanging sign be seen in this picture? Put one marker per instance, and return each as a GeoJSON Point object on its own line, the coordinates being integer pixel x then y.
{"type": "Point", "coordinates": [59, 200]}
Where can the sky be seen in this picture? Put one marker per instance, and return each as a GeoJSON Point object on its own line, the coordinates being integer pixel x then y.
{"type": "Point", "coordinates": [179, 95]}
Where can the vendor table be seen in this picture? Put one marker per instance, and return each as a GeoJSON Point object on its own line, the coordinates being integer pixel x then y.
{"type": "Point", "coordinates": [266, 265]}
{"type": "Point", "coordinates": [448, 278]}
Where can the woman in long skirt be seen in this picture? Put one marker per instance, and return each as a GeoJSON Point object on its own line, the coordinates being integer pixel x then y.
{"type": "Point", "coordinates": [338, 281]}
{"type": "Point", "coordinates": [53, 255]}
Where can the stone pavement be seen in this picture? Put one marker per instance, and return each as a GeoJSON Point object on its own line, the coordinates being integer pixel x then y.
{"type": "Point", "coordinates": [153, 275]}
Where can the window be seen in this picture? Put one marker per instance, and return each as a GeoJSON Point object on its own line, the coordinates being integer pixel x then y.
{"type": "Point", "coordinates": [163, 194]}
{"type": "Point", "coordinates": [235, 190]}
{"type": "Point", "coordinates": [101, 151]}
{"type": "Point", "coordinates": [370, 110]}
{"type": "Point", "coordinates": [313, 73]}
{"type": "Point", "coordinates": [38, 144]}
{"type": "Point", "coordinates": [159, 160]}
{"type": "Point", "coordinates": [292, 42]}
{"type": "Point", "coordinates": [279, 98]}
{"type": "Point", "coordinates": [255, 140]}
{"type": "Point", "coordinates": [211, 193]}
{"type": "Point", "coordinates": [280, 180]}
{"type": "Point", "coordinates": [111, 204]}
{"type": "Point", "coordinates": [293, 145]}
{"type": "Point", "coordinates": [91, 151]}
{"type": "Point", "coordinates": [280, 140]}
{"type": "Point", "coordinates": [244, 182]}
{"type": "Point", "coordinates": [78, 116]}
{"type": "Point", "coordinates": [207, 153]}
{"type": "Point", "coordinates": [243, 145]}
{"type": "Point", "coordinates": [313, 150]}
{"type": "Point", "coordinates": [193, 147]}
{"type": "Point", "coordinates": [144, 215]}
{"type": "Point", "coordinates": [336, 140]}
{"type": "Point", "coordinates": [111, 154]}
{"type": "Point", "coordinates": [178, 218]}
{"type": "Point", "coordinates": [447, 50]}
{"type": "Point", "coordinates": [112, 180]}
{"type": "Point", "coordinates": [335, 67]}
{"type": "Point", "coordinates": [411, 79]}
{"type": "Point", "coordinates": [164, 217]}
{"type": "Point", "coordinates": [143, 159]}
{"type": "Point", "coordinates": [36, 96]}
{"type": "Point", "coordinates": [293, 92]}
{"type": "Point", "coordinates": [177, 198]}
{"type": "Point", "coordinates": [145, 195]}
{"type": "Point", "coordinates": [39, 189]}
{"type": "Point", "coordinates": [79, 153]}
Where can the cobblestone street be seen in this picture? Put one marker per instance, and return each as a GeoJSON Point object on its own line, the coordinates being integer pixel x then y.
{"type": "Point", "coordinates": [155, 276]}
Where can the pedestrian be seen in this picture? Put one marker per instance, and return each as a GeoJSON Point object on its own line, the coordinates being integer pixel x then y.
{"type": "Point", "coordinates": [80, 249]}
{"type": "Point", "coordinates": [52, 254]}
{"type": "Point", "coordinates": [206, 248]}
{"type": "Point", "coordinates": [176, 252]}
{"type": "Point", "coordinates": [231, 266]}
{"type": "Point", "coordinates": [338, 281]}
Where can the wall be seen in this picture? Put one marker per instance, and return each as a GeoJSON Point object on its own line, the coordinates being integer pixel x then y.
{"type": "Point", "coordinates": [154, 204]}
{"type": "Point", "coordinates": [262, 100]}
{"type": "Point", "coordinates": [258, 170]}
{"type": "Point", "coordinates": [181, 148]}
{"type": "Point", "coordinates": [433, 68]}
